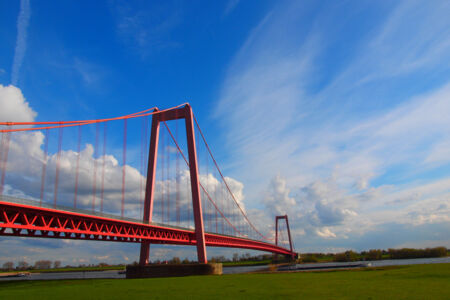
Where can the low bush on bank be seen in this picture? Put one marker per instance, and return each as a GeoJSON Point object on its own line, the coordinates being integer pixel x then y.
{"type": "Point", "coordinates": [347, 256]}
{"type": "Point", "coordinates": [377, 254]}
{"type": "Point", "coordinates": [309, 259]}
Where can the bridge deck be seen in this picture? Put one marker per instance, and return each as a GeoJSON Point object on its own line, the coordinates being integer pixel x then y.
{"type": "Point", "coordinates": [22, 217]}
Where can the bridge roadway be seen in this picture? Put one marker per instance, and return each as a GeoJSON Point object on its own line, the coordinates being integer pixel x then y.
{"type": "Point", "coordinates": [26, 218]}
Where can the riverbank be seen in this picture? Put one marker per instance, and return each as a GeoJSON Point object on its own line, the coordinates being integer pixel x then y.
{"type": "Point", "coordinates": [246, 263]}
{"type": "Point", "coordinates": [431, 281]}
{"type": "Point", "coordinates": [13, 274]}
{"type": "Point", "coordinates": [64, 270]}
{"type": "Point", "coordinates": [363, 264]}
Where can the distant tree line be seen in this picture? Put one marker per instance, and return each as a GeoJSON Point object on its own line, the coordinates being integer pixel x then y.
{"type": "Point", "coordinates": [347, 256]}
{"type": "Point", "coordinates": [38, 265]}
{"type": "Point", "coordinates": [374, 254]}
{"type": "Point", "coordinates": [46, 265]}
{"type": "Point", "coordinates": [218, 259]}
{"type": "Point", "coordinates": [417, 253]}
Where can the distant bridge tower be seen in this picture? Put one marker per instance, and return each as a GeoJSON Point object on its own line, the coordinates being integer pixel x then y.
{"type": "Point", "coordinates": [285, 217]}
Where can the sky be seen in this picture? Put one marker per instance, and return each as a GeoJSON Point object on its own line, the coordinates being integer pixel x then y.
{"type": "Point", "coordinates": [336, 113]}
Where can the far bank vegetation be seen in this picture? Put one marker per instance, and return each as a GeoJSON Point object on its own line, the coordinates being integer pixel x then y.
{"type": "Point", "coordinates": [374, 254]}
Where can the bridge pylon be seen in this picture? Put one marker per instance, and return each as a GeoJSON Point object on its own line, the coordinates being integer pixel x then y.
{"type": "Point", "coordinates": [291, 246]}
{"type": "Point", "coordinates": [163, 116]}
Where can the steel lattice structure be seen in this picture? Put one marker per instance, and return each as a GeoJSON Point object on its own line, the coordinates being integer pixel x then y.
{"type": "Point", "coordinates": [27, 219]}
{"type": "Point", "coordinates": [39, 222]}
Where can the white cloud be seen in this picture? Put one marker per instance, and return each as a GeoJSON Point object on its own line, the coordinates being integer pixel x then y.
{"type": "Point", "coordinates": [323, 157]}
{"type": "Point", "coordinates": [414, 36]}
{"type": "Point", "coordinates": [13, 105]}
{"type": "Point", "coordinates": [440, 152]}
{"type": "Point", "coordinates": [325, 232]}
{"type": "Point", "coordinates": [327, 153]}
{"type": "Point", "coordinates": [277, 199]}
{"type": "Point", "coordinates": [332, 215]}
{"type": "Point", "coordinates": [26, 160]}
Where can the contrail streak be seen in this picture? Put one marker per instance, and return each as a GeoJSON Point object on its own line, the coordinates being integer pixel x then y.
{"type": "Point", "coordinates": [21, 43]}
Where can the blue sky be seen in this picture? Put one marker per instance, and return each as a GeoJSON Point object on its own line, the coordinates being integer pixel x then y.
{"type": "Point", "coordinates": [336, 113]}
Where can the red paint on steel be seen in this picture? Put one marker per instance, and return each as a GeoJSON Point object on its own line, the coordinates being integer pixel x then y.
{"type": "Point", "coordinates": [199, 236]}
{"type": "Point", "coordinates": [202, 187]}
{"type": "Point", "coordinates": [58, 157]}
{"type": "Point", "coordinates": [150, 184]}
{"type": "Point", "coordinates": [291, 246]}
{"type": "Point", "coordinates": [195, 186]}
{"type": "Point", "coordinates": [276, 230]}
{"type": "Point", "coordinates": [44, 165]}
{"type": "Point", "coordinates": [189, 213]}
{"type": "Point", "coordinates": [33, 221]}
{"type": "Point", "coordinates": [94, 181]}
{"type": "Point", "coordinates": [77, 167]}
{"type": "Point", "coordinates": [103, 166]}
{"type": "Point", "coordinates": [61, 124]}
{"type": "Point", "coordinates": [162, 159]}
{"type": "Point", "coordinates": [167, 153]}
{"type": "Point", "coordinates": [177, 178]}
{"type": "Point", "coordinates": [179, 113]}
{"type": "Point", "coordinates": [124, 163]}
{"type": "Point", "coordinates": [4, 158]}
{"type": "Point", "coordinates": [141, 161]}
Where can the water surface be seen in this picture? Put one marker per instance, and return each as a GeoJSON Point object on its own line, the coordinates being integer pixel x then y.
{"type": "Point", "coordinates": [114, 274]}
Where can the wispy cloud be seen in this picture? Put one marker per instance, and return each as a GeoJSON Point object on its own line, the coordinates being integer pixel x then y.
{"type": "Point", "coordinates": [90, 73]}
{"type": "Point", "coordinates": [344, 141]}
{"type": "Point", "coordinates": [231, 5]}
{"type": "Point", "coordinates": [21, 43]}
{"type": "Point", "coordinates": [147, 29]}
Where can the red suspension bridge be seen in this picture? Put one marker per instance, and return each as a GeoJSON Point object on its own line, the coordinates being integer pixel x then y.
{"type": "Point", "coordinates": [48, 190]}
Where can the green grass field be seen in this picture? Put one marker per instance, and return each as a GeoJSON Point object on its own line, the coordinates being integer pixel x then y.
{"type": "Point", "coordinates": [405, 282]}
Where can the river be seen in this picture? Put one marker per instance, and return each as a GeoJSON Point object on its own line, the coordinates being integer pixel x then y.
{"type": "Point", "coordinates": [371, 263]}
{"type": "Point", "coordinates": [114, 274]}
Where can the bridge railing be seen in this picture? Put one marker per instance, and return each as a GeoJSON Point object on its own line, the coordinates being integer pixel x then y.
{"type": "Point", "coordinates": [35, 203]}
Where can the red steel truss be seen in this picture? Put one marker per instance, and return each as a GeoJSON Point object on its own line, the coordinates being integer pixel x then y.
{"type": "Point", "coordinates": [31, 221]}
{"type": "Point", "coordinates": [28, 220]}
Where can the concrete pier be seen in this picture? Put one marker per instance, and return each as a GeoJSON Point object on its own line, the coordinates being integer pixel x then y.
{"type": "Point", "coordinates": [173, 270]}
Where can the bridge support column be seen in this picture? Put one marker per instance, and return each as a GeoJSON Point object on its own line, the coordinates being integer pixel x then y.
{"type": "Point", "coordinates": [195, 187]}
{"type": "Point", "coordinates": [285, 217]}
{"type": "Point", "coordinates": [174, 114]}
{"type": "Point", "coordinates": [150, 185]}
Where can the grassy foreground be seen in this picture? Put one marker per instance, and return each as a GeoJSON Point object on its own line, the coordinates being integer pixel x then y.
{"type": "Point", "coordinates": [405, 282]}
